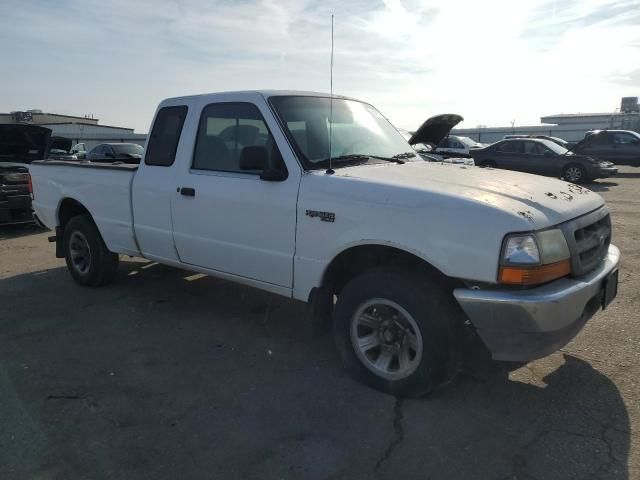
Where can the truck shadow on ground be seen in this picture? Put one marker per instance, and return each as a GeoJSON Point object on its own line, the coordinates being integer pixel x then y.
{"type": "Point", "coordinates": [19, 230]}
{"type": "Point", "coordinates": [166, 374]}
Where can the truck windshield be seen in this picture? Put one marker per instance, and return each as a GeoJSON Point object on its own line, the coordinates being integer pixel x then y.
{"type": "Point", "coordinates": [358, 131]}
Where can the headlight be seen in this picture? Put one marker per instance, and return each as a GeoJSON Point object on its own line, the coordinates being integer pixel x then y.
{"type": "Point", "coordinates": [521, 249]}
{"type": "Point", "coordinates": [553, 246]}
{"type": "Point", "coordinates": [533, 258]}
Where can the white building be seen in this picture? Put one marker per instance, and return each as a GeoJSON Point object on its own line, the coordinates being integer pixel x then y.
{"type": "Point", "coordinates": [85, 130]}
{"type": "Point", "coordinates": [569, 126]}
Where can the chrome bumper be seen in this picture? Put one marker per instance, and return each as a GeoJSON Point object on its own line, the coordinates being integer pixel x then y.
{"type": "Point", "coordinates": [522, 325]}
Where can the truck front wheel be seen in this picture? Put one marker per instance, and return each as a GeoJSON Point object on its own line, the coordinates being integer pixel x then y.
{"type": "Point", "coordinates": [396, 332]}
{"type": "Point", "coordinates": [88, 259]}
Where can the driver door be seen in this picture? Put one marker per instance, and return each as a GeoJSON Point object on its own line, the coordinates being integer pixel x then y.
{"type": "Point", "coordinates": [225, 217]}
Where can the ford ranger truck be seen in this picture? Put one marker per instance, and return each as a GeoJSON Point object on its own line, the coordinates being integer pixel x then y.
{"type": "Point", "coordinates": [321, 199]}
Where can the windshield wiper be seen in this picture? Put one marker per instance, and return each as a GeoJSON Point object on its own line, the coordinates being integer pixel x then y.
{"type": "Point", "coordinates": [404, 155]}
{"type": "Point", "coordinates": [357, 157]}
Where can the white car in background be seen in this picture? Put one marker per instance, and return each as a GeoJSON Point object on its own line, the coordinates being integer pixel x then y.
{"type": "Point", "coordinates": [456, 144]}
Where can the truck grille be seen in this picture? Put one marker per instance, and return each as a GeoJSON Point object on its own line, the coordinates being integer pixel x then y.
{"type": "Point", "coordinates": [589, 238]}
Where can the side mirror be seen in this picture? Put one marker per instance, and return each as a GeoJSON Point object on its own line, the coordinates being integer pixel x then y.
{"type": "Point", "coordinates": [254, 158]}
{"type": "Point", "coordinates": [273, 175]}
{"type": "Point", "coordinates": [257, 158]}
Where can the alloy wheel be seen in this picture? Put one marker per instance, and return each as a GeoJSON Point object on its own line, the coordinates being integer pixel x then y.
{"type": "Point", "coordinates": [386, 339]}
{"type": "Point", "coordinates": [80, 252]}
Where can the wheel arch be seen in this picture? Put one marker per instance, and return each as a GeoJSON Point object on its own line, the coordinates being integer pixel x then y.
{"type": "Point", "coordinates": [67, 209]}
{"type": "Point", "coordinates": [356, 259]}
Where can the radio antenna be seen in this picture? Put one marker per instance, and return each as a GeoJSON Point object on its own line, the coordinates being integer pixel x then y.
{"type": "Point", "coordinates": [330, 170]}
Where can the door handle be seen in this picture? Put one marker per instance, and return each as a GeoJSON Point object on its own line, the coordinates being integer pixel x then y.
{"type": "Point", "coordinates": [188, 191]}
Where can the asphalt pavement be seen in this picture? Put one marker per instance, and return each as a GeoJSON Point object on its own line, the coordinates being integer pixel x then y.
{"type": "Point", "coordinates": [166, 374]}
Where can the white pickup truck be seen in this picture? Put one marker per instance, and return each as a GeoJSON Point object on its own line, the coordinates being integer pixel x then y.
{"type": "Point", "coordinates": [322, 200]}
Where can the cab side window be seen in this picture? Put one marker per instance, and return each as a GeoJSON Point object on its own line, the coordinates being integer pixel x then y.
{"type": "Point", "coordinates": [227, 133]}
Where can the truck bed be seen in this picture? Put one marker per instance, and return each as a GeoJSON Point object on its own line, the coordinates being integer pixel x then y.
{"type": "Point", "coordinates": [102, 188]}
{"type": "Point", "coordinates": [84, 164]}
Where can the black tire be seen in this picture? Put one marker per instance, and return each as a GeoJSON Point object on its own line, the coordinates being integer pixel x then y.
{"type": "Point", "coordinates": [575, 173]}
{"type": "Point", "coordinates": [82, 240]}
{"type": "Point", "coordinates": [434, 311]}
{"type": "Point", "coordinates": [488, 164]}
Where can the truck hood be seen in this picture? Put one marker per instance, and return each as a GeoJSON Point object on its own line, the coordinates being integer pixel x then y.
{"type": "Point", "coordinates": [434, 129]}
{"type": "Point", "coordinates": [539, 201]}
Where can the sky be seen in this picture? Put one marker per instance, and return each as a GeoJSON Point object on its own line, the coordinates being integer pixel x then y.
{"type": "Point", "coordinates": [494, 62]}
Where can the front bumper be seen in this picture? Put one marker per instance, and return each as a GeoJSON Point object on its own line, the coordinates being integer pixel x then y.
{"type": "Point", "coordinates": [523, 325]}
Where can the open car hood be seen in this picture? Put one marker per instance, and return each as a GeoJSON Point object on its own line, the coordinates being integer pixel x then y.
{"type": "Point", "coordinates": [434, 129]}
{"type": "Point", "coordinates": [20, 143]}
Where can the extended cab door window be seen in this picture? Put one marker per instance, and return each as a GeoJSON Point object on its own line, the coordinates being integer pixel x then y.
{"type": "Point", "coordinates": [228, 136]}
{"type": "Point", "coordinates": [163, 142]}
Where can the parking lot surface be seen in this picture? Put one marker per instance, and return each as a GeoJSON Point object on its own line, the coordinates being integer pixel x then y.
{"type": "Point", "coordinates": [165, 374]}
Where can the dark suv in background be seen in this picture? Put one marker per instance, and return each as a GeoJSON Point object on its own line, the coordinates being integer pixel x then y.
{"type": "Point", "coordinates": [542, 157]}
{"type": "Point", "coordinates": [617, 146]}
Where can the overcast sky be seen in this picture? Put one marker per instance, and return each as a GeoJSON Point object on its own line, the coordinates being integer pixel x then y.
{"type": "Point", "coordinates": [490, 61]}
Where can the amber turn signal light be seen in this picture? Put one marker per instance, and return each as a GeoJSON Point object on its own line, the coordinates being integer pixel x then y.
{"type": "Point", "coordinates": [534, 275]}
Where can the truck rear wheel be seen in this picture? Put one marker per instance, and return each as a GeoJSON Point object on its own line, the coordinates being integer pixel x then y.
{"type": "Point", "coordinates": [395, 332]}
{"type": "Point", "coordinates": [88, 259]}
